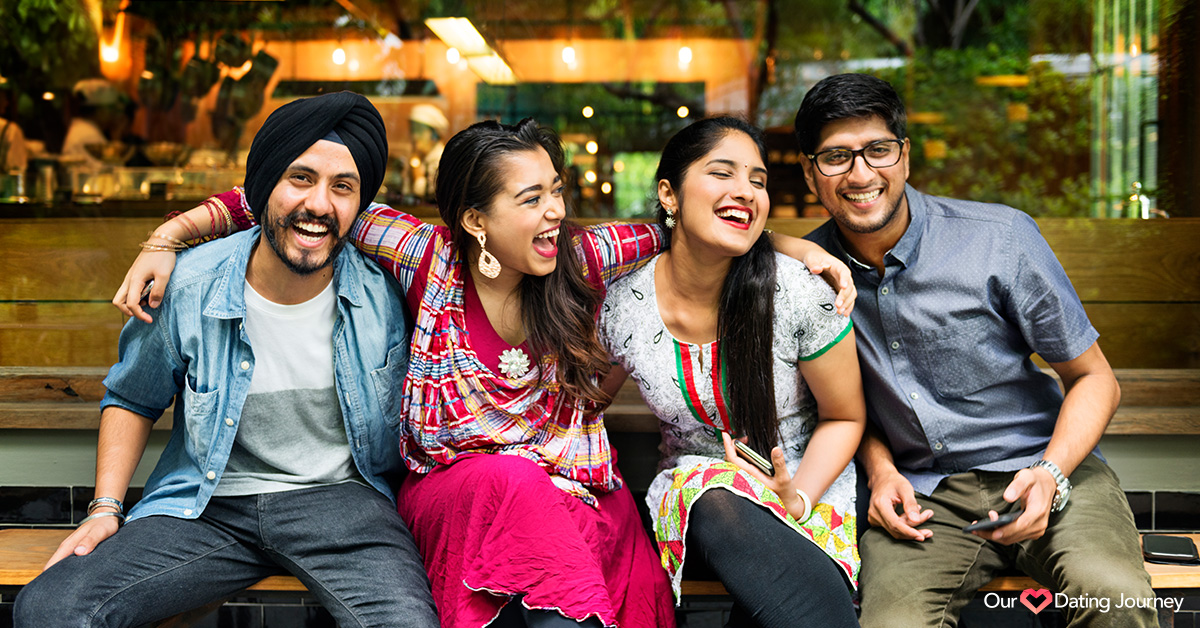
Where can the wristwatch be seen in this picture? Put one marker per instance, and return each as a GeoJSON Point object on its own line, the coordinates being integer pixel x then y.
{"type": "Point", "coordinates": [1063, 491]}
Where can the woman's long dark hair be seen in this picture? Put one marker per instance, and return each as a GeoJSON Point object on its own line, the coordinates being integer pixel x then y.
{"type": "Point", "coordinates": [557, 310]}
{"type": "Point", "coordinates": [746, 316]}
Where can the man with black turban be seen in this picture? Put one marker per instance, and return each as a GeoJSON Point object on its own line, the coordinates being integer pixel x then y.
{"type": "Point", "coordinates": [284, 356]}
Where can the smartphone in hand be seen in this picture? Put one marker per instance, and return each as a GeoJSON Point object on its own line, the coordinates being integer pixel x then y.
{"type": "Point", "coordinates": [145, 298]}
{"type": "Point", "coordinates": [751, 456]}
{"type": "Point", "coordinates": [988, 524]}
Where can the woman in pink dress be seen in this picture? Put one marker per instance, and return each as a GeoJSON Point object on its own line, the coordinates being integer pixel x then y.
{"type": "Point", "coordinates": [514, 493]}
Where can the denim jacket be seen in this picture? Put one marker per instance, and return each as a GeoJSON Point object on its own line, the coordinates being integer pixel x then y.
{"type": "Point", "coordinates": [197, 353]}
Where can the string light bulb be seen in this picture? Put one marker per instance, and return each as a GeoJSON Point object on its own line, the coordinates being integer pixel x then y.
{"type": "Point", "coordinates": [110, 52]}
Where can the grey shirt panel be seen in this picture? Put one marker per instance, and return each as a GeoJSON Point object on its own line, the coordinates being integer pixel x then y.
{"type": "Point", "coordinates": [288, 440]}
{"type": "Point", "coordinates": [968, 294]}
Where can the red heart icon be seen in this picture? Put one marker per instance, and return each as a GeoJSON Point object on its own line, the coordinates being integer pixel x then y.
{"type": "Point", "coordinates": [1036, 593]}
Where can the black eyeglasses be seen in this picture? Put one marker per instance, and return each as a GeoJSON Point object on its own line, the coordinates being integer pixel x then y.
{"type": "Point", "coordinates": [878, 154]}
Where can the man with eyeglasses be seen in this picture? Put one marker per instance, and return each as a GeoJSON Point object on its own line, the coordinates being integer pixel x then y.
{"type": "Point", "coordinates": [954, 297]}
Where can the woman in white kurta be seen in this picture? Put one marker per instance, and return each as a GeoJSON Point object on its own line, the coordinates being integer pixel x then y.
{"type": "Point", "coordinates": [703, 329]}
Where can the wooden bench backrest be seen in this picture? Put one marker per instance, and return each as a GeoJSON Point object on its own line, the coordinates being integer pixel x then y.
{"type": "Point", "coordinates": [1153, 401]}
{"type": "Point", "coordinates": [1139, 281]}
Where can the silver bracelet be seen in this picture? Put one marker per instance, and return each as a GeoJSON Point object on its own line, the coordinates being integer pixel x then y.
{"type": "Point", "coordinates": [98, 515]}
{"type": "Point", "coordinates": [105, 501]}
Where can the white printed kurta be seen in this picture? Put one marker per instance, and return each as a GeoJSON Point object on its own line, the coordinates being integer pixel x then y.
{"type": "Point", "coordinates": [677, 381]}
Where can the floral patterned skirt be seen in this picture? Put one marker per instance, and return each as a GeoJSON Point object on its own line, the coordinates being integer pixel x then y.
{"type": "Point", "coordinates": [832, 531]}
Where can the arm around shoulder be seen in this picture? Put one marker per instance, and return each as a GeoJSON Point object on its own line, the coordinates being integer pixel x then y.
{"type": "Point", "coordinates": [820, 262]}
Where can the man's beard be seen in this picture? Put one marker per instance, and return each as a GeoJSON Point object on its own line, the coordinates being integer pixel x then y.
{"type": "Point", "coordinates": [275, 230]}
{"type": "Point", "coordinates": [872, 227]}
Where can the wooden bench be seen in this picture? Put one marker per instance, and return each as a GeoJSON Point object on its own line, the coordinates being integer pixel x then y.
{"type": "Point", "coordinates": [23, 552]}
{"type": "Point", "coordinates": [1153, 401]}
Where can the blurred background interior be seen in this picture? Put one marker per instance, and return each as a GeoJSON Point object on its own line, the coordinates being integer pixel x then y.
{"type": "Point", "coordinates": [1065, 108]}
{"type": "Point", "coordinates": [1082, 113]}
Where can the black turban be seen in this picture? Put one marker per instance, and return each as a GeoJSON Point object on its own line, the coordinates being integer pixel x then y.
{"type": "Point", "coordinates": [293, 128]}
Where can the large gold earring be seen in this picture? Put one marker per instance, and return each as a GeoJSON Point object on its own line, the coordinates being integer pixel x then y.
{"type": "Point", "coordinates": [489, 266]}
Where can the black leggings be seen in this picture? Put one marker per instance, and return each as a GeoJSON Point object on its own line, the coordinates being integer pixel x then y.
{"type": "Point", "coordinates": [776, 576]}
{"type": "Point", "coordinates": [515, 615]}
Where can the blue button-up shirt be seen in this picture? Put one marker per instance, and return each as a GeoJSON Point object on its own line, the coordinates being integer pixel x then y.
{"type": "Point", "coordinates": [968, 293]}
{"type": "Point", "coordinates": [197, 353]}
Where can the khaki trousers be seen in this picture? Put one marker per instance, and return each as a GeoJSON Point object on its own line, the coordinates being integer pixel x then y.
{"type": "Point", "coordinates": [1090, 550]}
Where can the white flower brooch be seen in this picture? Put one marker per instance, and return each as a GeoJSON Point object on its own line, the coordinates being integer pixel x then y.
{"type": "Point", "coordinates": [514, 363]}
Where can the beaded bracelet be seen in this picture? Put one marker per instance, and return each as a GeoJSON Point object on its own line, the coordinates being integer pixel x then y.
{"type": "Point", "coordinates": [105, 501]}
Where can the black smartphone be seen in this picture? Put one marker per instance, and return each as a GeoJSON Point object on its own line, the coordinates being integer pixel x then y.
{"type": "Point", "coordinates": [751, 456]}
{"type": "Point", "coordinates": [988, 524]}
{"type": "Point", "coordinates": [1169, 550]}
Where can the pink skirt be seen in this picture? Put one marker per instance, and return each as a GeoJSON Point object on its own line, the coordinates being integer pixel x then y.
{"type": "Point", "coordinates": [491, 527]}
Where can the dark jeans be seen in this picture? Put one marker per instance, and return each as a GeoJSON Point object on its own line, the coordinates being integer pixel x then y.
{"type": "Point", "coordinates": [344, 542]}
{"type": "Point", "coordinates": [776, 577]}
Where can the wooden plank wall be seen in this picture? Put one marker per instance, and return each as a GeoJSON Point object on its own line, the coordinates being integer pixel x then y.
{"type": "Point", "coordinates": [1139, 281]}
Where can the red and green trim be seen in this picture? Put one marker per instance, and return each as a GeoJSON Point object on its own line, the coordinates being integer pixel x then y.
{"type": "Point", "coordinates": [688, 386]}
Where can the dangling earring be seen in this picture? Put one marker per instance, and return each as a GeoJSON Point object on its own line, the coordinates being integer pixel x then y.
{"type": "Point", "coordinates": [670, 221]}
{"type": "Point", "coordinates": [489, 266]}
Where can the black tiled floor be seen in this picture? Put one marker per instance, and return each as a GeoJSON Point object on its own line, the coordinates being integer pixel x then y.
{"type": "Point", "coordinates": [297, 617]}
{"type": "Point", "coordinates": [35, 504]}
{"type": "Point", "coordinates": [1142, 505]}
{"type": "Point", "coordinates": [233, 617]}
{"type": "Point", "coordinates": [1176, 511]}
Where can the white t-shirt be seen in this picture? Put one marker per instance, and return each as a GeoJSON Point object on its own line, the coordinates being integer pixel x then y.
{"type": "Point", "coordinates": [291, 434]}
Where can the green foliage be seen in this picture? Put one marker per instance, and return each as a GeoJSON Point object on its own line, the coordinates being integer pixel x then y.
{"type": "Point", "coordinates": [47, 44]}
{"type": "Point", "coordinates": [825, 29]}
{"type": "Point", "coordinates": [634, 186]}
{"type": "Point", "coordinates": [1061, 26]}
{"type": "Point", "coordinates": [994, 152]}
